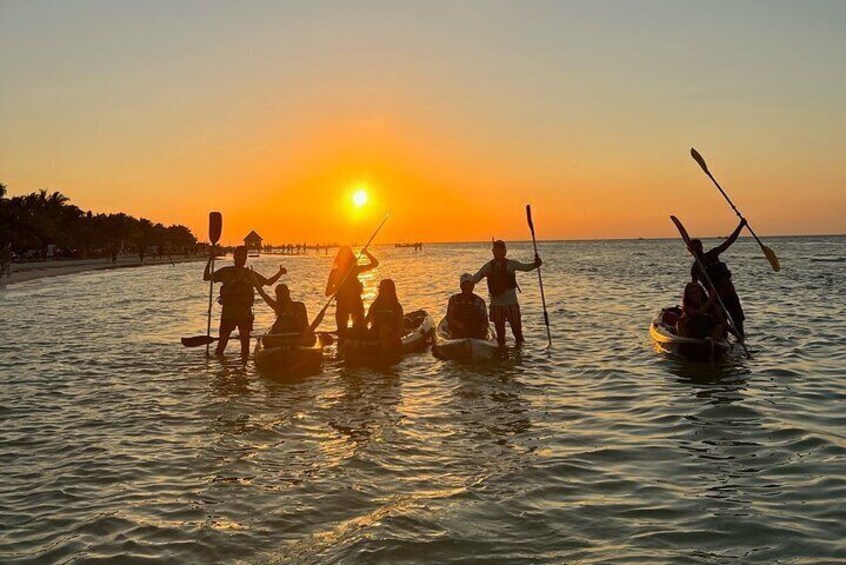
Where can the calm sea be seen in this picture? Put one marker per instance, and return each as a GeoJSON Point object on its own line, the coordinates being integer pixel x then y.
{"type": "Point", "coordinates": [118, 445]}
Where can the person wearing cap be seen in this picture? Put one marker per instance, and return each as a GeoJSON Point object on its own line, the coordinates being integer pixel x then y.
{"type": "Point", "coordinates": [467, 313]}
{"type": "Point", "coordinates": [502, 287]}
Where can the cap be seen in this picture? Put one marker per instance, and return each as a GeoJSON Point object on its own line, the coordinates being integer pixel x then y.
{"type": "Point", "coordinates": [499, 243]}
{"type": "Point", "coordinates": [466, 277]}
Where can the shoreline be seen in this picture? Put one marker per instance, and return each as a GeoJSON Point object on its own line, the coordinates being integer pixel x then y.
{"type": "Point", "coordinates": [25, 272]}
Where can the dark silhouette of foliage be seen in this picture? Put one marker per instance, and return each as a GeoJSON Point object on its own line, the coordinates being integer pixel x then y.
{"type": "Point", "coordinates": [33, 221]}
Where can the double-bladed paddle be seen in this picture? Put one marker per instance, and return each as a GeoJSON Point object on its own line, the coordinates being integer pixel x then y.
{"type": "Point", "coordinates": [768, 253]}
{"type": "Point", "coordinates": [200, 340]}
{"type": "Point", "coordinates": [713, 288]}
{"type": "Point", "coordinates": [540, 279]}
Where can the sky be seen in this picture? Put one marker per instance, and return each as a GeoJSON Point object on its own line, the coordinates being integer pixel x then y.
{"type": "Point", "coordinates": [453, 115]}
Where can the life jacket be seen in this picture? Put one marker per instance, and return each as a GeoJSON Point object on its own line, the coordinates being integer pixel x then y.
{"type": "Point", "coordinates": [500, 279]}
{"type": "Point", "coordinates": [385, 316]}
{"type": "Point", "coordinates": [238, 292]}
{"type": "Point", "coordinates": [468, 311]}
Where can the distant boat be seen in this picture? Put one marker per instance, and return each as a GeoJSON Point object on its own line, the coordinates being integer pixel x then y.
{"type": "Point", "coordinates": [253, 253]}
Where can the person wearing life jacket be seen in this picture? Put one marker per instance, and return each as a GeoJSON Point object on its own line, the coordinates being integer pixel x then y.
{"type": "Point", "coordinates": [502, 287]}
{"type": "Point", "coordinates": [385, 315]}
{"type": "Point", "coordinates": [467, 313]}
{"type": "Point", "coordinates": [699, 318]}
{"type": "Point", "coordinates": [344, 283]}
{"type": "Point", "coordinates": [291, 324]}
{"type": "Point", "coordinates": [236, 298]}
{"type": "Point", "coordinates": [720, 275]}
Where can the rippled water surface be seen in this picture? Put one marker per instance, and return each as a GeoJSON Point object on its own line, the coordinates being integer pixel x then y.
{"type": "Point", "coordinates": [119, 445]}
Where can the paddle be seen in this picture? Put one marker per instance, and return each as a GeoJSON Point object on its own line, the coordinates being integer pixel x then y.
{"type": "Point", "coordinates": [215, 229]}
{"type": "Point", "coordinates": [200, 340]}
{"type": "Point", "coordinates": [319, 318]}
{"type": "Point", "coordinates": [768, 253]}
{"type": "Point", "coordinates": [540, 279]}
{"type": "Point", "coordinates": [708, 280]}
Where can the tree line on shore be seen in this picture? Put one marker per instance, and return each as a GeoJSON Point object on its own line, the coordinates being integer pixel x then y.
{"type": "Point", "coordinates": [44, 223]}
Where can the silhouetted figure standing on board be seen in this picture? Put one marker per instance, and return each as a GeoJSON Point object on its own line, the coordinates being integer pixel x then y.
{"type": "Point", "coordinates": [502, 286]}
{"type": "Point", "coordinates": [343, 281]}
{"type": "Point", "coordinates": [720, 275]}
{"type": "Point", "coordinates": [236, 298]}
{"type": "Point", "coordinates": [467, 313]}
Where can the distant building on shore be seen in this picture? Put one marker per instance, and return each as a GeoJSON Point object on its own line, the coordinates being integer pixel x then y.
{"type": "Point", "coordinates": [253, 242]}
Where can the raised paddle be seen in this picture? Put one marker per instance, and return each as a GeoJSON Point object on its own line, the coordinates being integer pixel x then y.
{"type": "Point", "coordinates": [708, 280]}
{"type": "Point", "coordinates": [540, 279]}
{"type": "Point", "coordinates": [215, 229]}
{"type": "Point", "coordinates": [768, 253]}
{"type": "Point", "coordinates": [319, 318]}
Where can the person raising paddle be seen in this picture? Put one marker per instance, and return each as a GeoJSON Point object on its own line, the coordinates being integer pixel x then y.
{"type": "Point", "coordinates": [344, 284]}
{"type": "Point", "coordinates": [720, 275]}
{"type": "Point", "coordinates": [236, 298]}
{"type": "Point", "coordinates": [502, 287]}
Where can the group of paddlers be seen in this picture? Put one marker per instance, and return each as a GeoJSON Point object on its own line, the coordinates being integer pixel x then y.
{"type": "Point", "coordinates": [702, 314]}
{"type": "Point", "coordinates": [467, 313]}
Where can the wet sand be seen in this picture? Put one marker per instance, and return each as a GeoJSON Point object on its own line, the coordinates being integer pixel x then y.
{"type": "Point", "coordinates": [22, 272]}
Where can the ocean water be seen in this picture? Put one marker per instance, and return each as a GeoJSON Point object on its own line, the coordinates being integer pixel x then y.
{"type": "Point", "coordinates": [118, 445]}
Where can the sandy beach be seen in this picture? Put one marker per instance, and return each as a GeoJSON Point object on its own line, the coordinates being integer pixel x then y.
{"type": "Point", "coordinates": [23, 272]}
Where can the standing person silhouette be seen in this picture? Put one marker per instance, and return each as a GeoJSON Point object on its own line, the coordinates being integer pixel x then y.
{"type": "Point", "coordinates": [344, 283]}
{"type": "Point", "coordinates": [720, 275]}
{"type": "Point", "coordinates": [502, 286]}
{"type": "Point", "coordinates": [236, 298]}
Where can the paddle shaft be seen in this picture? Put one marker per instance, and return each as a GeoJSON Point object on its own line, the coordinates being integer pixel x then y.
{"type": "Point", "coordinates": [319, 318]}
{"type": "Point", "coordinates": [708, 280]}
{"type": "Point", "coordinates": [215, 230]}
{"type": "Point", "coordinates": [540, 278]}
{"type": "Point", "coordinates": [211, 296]}
{"type": "Point", "coordinates": [733, 207]}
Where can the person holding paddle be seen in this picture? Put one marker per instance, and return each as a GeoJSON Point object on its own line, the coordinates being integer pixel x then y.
{"type": "Point", "coordinates": [719, 275]}
{"type": "Point", "coordinates": [236, 298]}
{"type": "Point", "coordinates": [502, 287]}
{"type": "Point", "coordinates": [343, 283]}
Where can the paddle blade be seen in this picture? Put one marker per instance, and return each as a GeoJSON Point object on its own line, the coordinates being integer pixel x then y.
{"type": "Point", "coordinates": [698, 158]}
{"type": "Point", "coordinates": [529, 217]}
{"type": "Point", "coordinates": [215, 227]}
{"type": "Point", "coordinates": [771, 257]}
{"type": "Point", "coordinates": [682, 231]}
{"type": "Point", "coordinates": [198, 341]}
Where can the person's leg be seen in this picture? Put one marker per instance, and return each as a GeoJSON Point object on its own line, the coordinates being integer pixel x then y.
{"type": "Point", "coordinates": [245, 328]}
{"type": "Point", "coordinates": [516, 321]}
{"type": "Point", "coordinates": [224, 332]}
{"type": "Point", "coordinates": [498, 319]}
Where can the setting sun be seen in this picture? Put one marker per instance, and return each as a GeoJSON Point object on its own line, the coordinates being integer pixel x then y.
{"type": "Point", "coordinates": [360, 197]}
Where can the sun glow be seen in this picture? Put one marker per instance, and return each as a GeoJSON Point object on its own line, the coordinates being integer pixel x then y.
{"type": "Point", "coordinates": [360, 197]}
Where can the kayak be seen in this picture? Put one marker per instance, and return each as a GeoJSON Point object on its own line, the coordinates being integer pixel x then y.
{"type": "Point", "coordinates": [466, 349]}
{"type": "Point", "coordinates": [418, 328]}
{"type": "Point", "coordinates": [289, 359]}
{"type": "Point", "coordinates": [663, 332]}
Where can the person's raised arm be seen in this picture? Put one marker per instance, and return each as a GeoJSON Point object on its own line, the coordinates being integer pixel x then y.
{"type": "Point", "coordinates": [207, 273]}
{"type": "Point", "coordinates": [254, 277]}
{"type": "Point", "coordinates": [730, 239]}
{"type": "Point", "coordinates": [371, 265]}
{"type": "Point", "coordinates": [272, 280]}
{"type": "Point", "coordinates": [525, 267]}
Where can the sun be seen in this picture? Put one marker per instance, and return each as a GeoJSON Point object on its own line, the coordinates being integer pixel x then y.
{"type": "Point", "coordinates": [360, 197]}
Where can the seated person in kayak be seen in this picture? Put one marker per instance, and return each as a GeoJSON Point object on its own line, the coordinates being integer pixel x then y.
{"type": "Point", "coordinates": [291, 324]}
{"type": "Point", "coordinates": [385, 316]}
{"type": "Point", "coordinates": [699, 319]}
{"type": "Point", "coordinates": [502, 287]}
{"type": "Point", "coordinates": [467, 313]}
{"type": "Point", "coordinates": [236, 298]}
{"type": "Point", "coordinates": [719, 274]}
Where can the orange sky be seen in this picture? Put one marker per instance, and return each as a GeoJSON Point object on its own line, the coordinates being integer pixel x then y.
{"type": "Point", "coordinates": [455, 116]}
